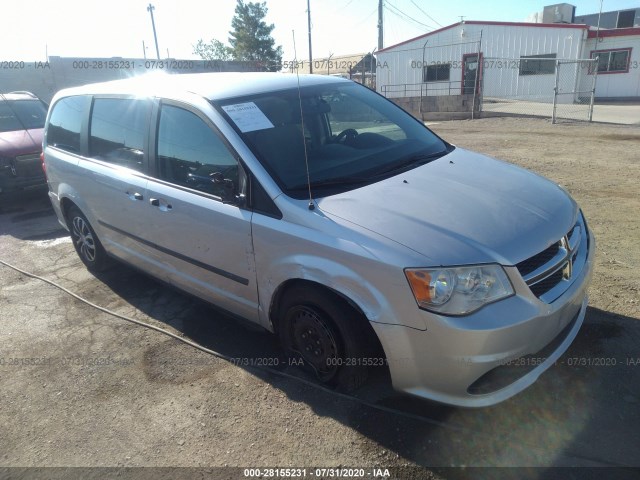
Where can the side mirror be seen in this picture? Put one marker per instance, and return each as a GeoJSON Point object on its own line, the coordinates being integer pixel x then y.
{"type": "Point", "coordinates": [228, 189]}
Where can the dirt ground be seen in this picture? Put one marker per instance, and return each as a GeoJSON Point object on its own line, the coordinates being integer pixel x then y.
{"type": "Point", "coordinates": [82, 388]}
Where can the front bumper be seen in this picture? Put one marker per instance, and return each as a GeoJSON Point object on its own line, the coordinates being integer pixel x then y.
{"type": "Point", "coordinates": [450, 361]}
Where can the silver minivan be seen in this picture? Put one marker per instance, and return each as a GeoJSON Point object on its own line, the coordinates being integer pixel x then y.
{"type": "Point", "coordinates": [323, 212]}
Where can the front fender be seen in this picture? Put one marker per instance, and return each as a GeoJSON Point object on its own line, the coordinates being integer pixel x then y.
{"type": "Point", "coordinates": [349, 283]}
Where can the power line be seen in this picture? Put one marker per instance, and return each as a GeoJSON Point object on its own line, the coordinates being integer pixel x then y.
{"type": "Point", "coordinates": [400, 17]}
{"type": "Point", "coordinates": [399, 13]}
{"type": "Point", "coordinates": [402, 14]}
{"type": "Point", "coordinates": [364, 19]}
{"type": "Point", "coordinates": [429, 16]}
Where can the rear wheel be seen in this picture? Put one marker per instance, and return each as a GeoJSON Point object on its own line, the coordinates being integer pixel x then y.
{"type": "Point", "coordinates": [85, 241]}
{"type": "Point", "coordinates": [323, 331]}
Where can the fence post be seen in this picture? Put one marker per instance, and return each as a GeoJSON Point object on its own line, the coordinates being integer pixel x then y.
{"type": "Point", "coordinates": [476, 79]}
{"type": "Point", "coordinates": [555, 92]}
{"type": "Point", "coordinates": [475, 88]}
{"type": "Point", "coordinates": [593, 88]}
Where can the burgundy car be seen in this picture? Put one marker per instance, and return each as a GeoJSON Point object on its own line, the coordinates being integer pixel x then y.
{"type": "Point", "coordinates": [22, 117]}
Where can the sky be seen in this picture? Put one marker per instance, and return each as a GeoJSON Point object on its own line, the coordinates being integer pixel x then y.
{"type": "Point", "coordinates": [33, 29]}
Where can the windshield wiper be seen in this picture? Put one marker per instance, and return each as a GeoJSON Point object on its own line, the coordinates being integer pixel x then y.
{"type": "Point", "coordinates": [405, 164]}
{"type": "Point", "coordinates": [332, 182]}
{"type": "Point", "coordinates": [414, 161]}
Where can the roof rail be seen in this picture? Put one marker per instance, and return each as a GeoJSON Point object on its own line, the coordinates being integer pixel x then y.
{"type": "Point", "coordinates": [23, 92]}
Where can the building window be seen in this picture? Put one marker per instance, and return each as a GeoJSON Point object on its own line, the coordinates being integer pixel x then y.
{"type": "Point", "coordinates": [440, 72]}
{"type": "Point", "coordinates": [538, 64]}
{"type": "Point", "coordinates": [612, 61]}
{"type": "Point", "coordinates": [626, 19]}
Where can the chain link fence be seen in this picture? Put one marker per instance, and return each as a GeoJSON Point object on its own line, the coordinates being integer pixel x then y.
{"type": "Point", "coordinates": [575, 89]}
{"type": "Point", "coordinates": [538, 85]}
{"type": "Point", "coordinates": [433, 81]}
{"type": "Point", "coordinates": [360, 67]}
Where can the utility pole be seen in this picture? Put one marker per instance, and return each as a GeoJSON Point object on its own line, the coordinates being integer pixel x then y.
{"type": "Point", "coordinates": [309, 27]}
{"type": "Point", "coordinates": [150, 9]}
{"type": "Point", "coordinates": [380, 31]}
{"type": "Point", "coordinates": [598, 27]}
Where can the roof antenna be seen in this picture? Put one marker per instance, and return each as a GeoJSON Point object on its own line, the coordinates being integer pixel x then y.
{"type": "Point", "coordinates": [304, 143]}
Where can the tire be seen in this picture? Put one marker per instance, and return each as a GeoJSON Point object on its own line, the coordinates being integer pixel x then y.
{"type": "Point", "coordinates": [86, 242]}
{"type": "Point", "coordinates": [323, 331]}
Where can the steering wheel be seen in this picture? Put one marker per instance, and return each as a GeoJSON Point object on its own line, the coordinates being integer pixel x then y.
{"type": "Point", "coordinates": [347, 135]}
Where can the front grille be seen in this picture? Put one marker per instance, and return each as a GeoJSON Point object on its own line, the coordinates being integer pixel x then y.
{"type": "Point", "coordinates": [28, 165]}
{"type": "Point", "coordinates": [531, 264]}
{"type": "Point", "coordinates": [550, 272]}
{"type": "Point", "coordinates": [547, 284]}
{"type": "Point", "coordinates": [28, 157]}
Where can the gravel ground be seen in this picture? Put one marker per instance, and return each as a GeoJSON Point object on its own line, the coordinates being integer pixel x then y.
{"type": "Point", "coordinates": [82, 388]}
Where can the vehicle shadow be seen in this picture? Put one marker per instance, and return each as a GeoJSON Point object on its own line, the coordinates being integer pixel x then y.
{"type": "Point", "coordinates": [28, 215]}
{"type": "Point", "coordinates": [581, 412]}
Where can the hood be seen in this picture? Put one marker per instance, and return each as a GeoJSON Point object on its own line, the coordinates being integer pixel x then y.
{"type": "Point", "coordinates": [20, 142]}
{"type": "Point", "coordinates": [460, 209]}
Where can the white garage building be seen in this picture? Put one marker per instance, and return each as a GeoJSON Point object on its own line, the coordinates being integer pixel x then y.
{"type": "Point", "coordinates": [516, 60]}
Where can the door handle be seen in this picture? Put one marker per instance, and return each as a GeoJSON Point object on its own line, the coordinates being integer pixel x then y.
{"type": "Point", "coordinates": [135, 196]}
{"type": "Point", "coordinates": [163, 206]}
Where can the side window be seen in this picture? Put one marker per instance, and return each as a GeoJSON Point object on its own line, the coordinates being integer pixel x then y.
{"type": "Point", "coordinates": [190, 154]}
{"type": "Point", "coordinates": [117, 131]}
{"type": "Point", "coordinates": [65, 123]}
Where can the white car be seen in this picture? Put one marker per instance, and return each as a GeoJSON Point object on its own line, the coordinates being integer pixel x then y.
{"type": "Point", "coordinates": [323, 212]}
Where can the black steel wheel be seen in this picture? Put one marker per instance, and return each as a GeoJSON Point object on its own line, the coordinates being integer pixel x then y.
{"type": "Point", "coordinates": [311, 337]}
{"type": "Point", "coordinates": [323, 331]}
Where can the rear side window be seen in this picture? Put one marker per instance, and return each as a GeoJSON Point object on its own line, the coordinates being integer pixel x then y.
{"type": "Point", "coordinates": [117, 131]}
{"type": "Point", "coordinates": [66, 122]}
{"type": "Point", "coordinates": [190, 153]}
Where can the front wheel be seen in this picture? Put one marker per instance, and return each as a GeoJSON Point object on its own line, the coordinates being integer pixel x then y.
{"type": "Point", "coordinates": [86, 242]}
{"type": "Point", "coordinates": [323, 331]}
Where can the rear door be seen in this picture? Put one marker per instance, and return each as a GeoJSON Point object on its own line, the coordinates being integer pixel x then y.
{"type": "Point", "coordinates": [200, 235]}
{"type": "Point", "coordinates": [115, 168]}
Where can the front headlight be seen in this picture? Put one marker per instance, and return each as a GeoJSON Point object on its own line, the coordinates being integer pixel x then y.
{"type": "Point", "coordinates": [458, 290]}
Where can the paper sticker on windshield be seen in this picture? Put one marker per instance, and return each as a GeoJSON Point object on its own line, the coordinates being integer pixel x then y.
{"type": "Point", "coordinates": [247, 116]}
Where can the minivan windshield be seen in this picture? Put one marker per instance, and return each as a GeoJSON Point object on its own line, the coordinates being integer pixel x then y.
{"type": "Point", "coordinates": [352, 137]}
{"type": "Point", "coordinates": [21, 115]}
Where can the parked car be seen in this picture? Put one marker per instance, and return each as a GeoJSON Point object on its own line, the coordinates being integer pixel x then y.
{"type": "Point", "coordinates": [22, 117]}
{"type": "Point", "coordinates": [328, 215]}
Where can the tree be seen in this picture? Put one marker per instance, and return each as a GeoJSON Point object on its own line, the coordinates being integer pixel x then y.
{"type": "Point", "coordinates": [251, 38]}
{"type": "Point", "coordinates": [214, 50]}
